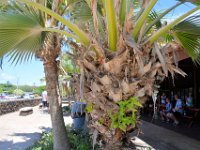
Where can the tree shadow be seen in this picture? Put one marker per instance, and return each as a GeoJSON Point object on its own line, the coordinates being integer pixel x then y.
{"type": "Point", "coordinates": [22, 141]}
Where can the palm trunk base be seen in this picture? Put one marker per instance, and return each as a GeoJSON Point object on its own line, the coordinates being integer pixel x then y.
{"type": "Point", "coordinates": [59, 130]}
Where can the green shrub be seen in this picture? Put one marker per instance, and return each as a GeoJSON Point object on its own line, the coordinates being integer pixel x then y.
{"type": "Point", "coordinates": [79, 140]}
{"type": "Point", "coordinates": [45, 143]}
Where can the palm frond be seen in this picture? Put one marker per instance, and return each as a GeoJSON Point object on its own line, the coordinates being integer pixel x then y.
{"type": "Point", "coordinates": [153, 16]}
{"type": "Point", "coordinates": [21, 36]}
{"type": "Point", "coordinates": [27, 49]}
{"type": "Point", "coordinates": [168, 37]}
{"type": "Point", "coordinates": [156, 24]}
{"type": "Point", "coordinates": [80, 11]}
{"type": "Point", "coordinates": [81, 14]}
{"type": "Point", "coordinates": [122, 14]}
{"type": "Point", "coordinates": [191, 44]}
{"type": "Point", "coordinates": [111, 24]}
{"type": "Point", "coordinates": [82, 35]}
{"type": "Point", "coordinates": [187, 33]}
{"type": "Point", "coordinates": [195, 2]}
{"type": "Point", "coordinates": [156, 18]}
{"type": "Point", "coordinates": [168, 27]}
{"type": "Point", "coordinates": [142, 18]}
{"type": "Point", "coordinates": [189, 25]}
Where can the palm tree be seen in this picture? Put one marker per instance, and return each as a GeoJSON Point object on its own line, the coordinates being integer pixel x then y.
{"type": "Point", "coordinates": [122, 53]}
{"type": "Point", "coordinates": [130, 61]}
{"type": "Point", "coordinates": [24, 36]}
{"type": "Point", "coordinates": [68, 71]}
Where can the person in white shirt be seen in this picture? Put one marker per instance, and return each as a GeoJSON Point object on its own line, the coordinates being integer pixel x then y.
{"type": "Point", "coordinates": [189, 102]}
{"type": "Point", "coordinates": [163, 99]}
{"type": "Point", "coordinates": [179, 105]}
{"type": "Point", "coordinates": [44, 98]}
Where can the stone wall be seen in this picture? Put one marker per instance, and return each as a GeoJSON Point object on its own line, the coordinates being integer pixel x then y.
{"type": "Point", "coordinates": [14, 105]}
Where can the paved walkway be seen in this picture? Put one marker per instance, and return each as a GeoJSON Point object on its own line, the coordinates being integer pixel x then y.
{"type": "Point", "coordinates": [19, 132]}
{"type": "Point", "coordinates": [164, 139]}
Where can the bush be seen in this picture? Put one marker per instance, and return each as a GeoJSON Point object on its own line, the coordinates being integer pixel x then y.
{"type": "Point", "coordinates": [45, 143]}
{"type": "Point", "coordinates": [79, 140]}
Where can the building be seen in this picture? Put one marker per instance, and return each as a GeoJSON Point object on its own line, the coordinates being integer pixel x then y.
{"type": "Point", "coordinates": [183, 85]}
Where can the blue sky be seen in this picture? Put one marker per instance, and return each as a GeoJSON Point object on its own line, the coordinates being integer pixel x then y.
{"type": "Point", "coordinates": [163, 4]}
{"type": "Point", "coordinates": [31, 73]}
{"type": "Point", "coordinates": [28, 73]}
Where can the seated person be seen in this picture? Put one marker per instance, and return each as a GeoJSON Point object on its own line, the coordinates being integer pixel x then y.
{"type": "Point", "coordinates": [177, 111]}
{"type": "Point", "coordinates": [168, 109]}
{"type": "Point", "coordinates": [163, 99]}
{"type": "Point", "coordinates": [178, 106]}
{"type": "Point", "coordinates": [189, 102]}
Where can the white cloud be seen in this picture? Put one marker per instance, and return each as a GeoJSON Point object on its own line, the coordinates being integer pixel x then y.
{"type": "Point", "coordinates": [4, 77]}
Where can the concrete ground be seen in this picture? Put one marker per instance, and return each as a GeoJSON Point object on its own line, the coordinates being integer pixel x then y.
{"type": "Point", "coordinates": [164, 139]}
{"type": "Point", "coordinates": [20, 132]}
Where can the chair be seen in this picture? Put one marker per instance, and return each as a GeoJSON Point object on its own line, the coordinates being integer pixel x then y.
{"type": "Point", "coordinates": [192, 116]}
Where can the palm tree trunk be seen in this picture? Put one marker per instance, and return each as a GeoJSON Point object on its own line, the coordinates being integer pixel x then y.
{"type": "Point", "coordinates": [59, 130]}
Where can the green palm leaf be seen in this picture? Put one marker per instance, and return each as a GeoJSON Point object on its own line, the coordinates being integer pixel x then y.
{"type": "Point", "coordinates": [142, 19]}
{"type": "Point", "coordinates": [187, 33]}
{"type": "Point", "coordinates": [111, 24]}
{"type": "Point", "coordinates": [156, 18]}
{"type": "Point", "coordinates": [21, 36]}
{"type": "Point", "coordinates": [82, 35]}
{"type": "Point", "coordinates": [123, 11]}
{"type": "Point", "coordinates": [195, 2]}
{"type": "Point", "coordinates": [81, 11]}
{"type": "Point", "coordinates": [171, 25]}
{"type": "Point", "coordinates": [190, 25]}
{"type": "Point", "coordinates": [27, 49]}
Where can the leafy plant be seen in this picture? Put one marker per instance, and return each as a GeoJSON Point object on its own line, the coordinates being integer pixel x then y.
{"type": "Point", "coordinates": [79, 140]}
{"type": "Point", "coordinates": [127, 114]}
{"type": "Point", "coordinates": [89, 107]}
{"type": "Point", "coordinates": [45, 143]}
{"type": "Point", "coordinates": [7, 88]}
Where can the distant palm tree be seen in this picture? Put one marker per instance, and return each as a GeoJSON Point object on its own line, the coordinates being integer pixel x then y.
{"type": "Point", "coordinates": [122, 50]}
{"type": "Point", "coordinates": [67, 70]}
